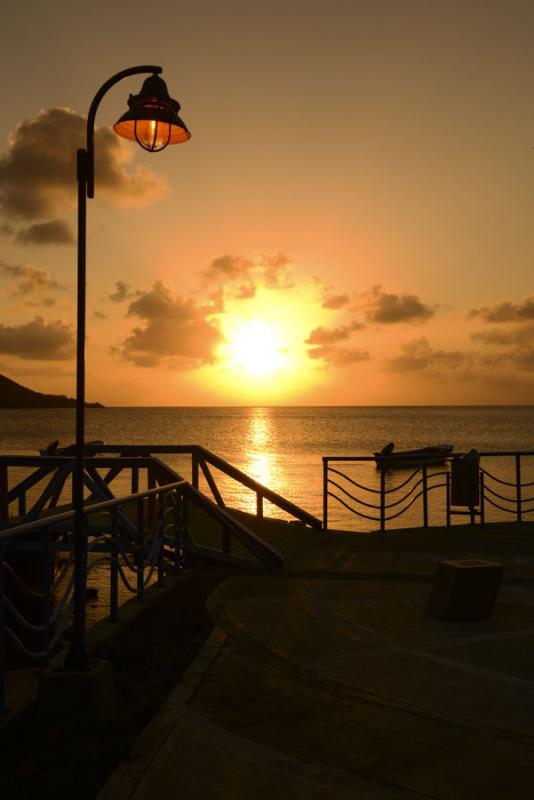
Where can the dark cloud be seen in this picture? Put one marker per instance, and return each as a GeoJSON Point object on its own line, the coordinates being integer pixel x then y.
{"type": "Point", "coordinates": [388, 309]}
{"type": "Point", "coordinates": [48, 302]}
{"type": "Point", "coordinates": [499, 336]}
{"type": "Point", "coordinates": [338, 356]}
{"type": "Point", "coordinates": [38, 340]}
{"type": "Point", "coordinates": [326, 336]}
{"type": "Point", "coordinates": [277, 271]}
{"type": "Point", "coordinates": [241, 277]}
{"type": "Point", "coordinates": [505, 312]}
{"type": "Point", "coordinates": [37, 172]}
{"type": "Point", "coordinates": [324, 344]}
{"type": "Point", "coordinates": [228, 268]}
{"type": "Point", "coordinates": [28, 279]}
{"type": "Point", "coordinates": [174, 329]}
{"type": "Point", "coordinates": [53, 232]}
{"type": "Point", "coordinates": [122, 292]}
{"type": "Point", "coordinates": [336, 301]}
{"type": "Point", "coordinates": [418, 355]}
{"type": "Point", "coordinates": [99, 315]}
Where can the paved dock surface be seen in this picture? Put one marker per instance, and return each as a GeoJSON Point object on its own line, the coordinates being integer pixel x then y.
{"type": "Point", "coordinates": [328, 680]}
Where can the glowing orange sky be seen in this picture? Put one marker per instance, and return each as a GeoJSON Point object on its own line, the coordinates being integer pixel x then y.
{"type": "Point", "coordinates": [359, 186]}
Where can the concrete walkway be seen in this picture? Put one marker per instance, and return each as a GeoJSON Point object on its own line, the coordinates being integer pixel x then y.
{"type": "Point", "coordinates": [329, 681]}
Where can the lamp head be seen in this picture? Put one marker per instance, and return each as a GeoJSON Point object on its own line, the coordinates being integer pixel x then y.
{"type": "Point", "coordinates": [152, 118]}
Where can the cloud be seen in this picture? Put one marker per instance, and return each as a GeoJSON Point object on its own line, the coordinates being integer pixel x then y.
{"type": "Point", "coordinates": [99, 315]}
{"type": "Point", "coordinates": [29, 279]}
{"type": "Point", "coordinates": [240, 277]}
{"type": "Point", "coordinates": [45, 301]}
{"type": "Point", "coordinates": [122, 292]}
{"type": "Point", "coordinates": [37, 172]}
{"type": "Point", "coordinates": [336, 301]}
{"type": "Point", "coordinates": [322, 336]}
{"type": "Point", "coordinates": [174, 329]}
{"type": "Point", "coordinates": [418, 355]}
{"type": "Point", "coordinates": [53, 232]}
{"type": "Point", "coordinates": [38, 340]}
{"type": "Point", "coordinates": [323, 344]}
{"type": "Point", "coordinates": [505, 337]}
{"type": "Point", "coordinates": [505, 312]}
{"type": "Point", "coordinates": [387, 309]}
{"type": "Point", "coordinates": [338, 356]}
{"type": "Point", "coordinates": [277, 271]}
{"type": "Point", "coordinates": [228, 268]}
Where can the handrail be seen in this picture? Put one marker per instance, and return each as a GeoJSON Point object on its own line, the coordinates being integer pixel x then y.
{"type": "Point", "coordinates": [18, 531]}
{"type": "Point", "coordinates": [201, 453]}
{"type": "Point", "coordinates": [421, 488]}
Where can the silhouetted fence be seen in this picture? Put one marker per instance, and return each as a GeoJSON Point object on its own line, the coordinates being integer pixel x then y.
{"type": "Point", "coordinates": [141, 537]}
{"type": "Point", "coordinates": [388, 500]}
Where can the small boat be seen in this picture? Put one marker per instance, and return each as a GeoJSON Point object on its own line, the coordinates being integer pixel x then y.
{"type": "Point", "coordinates": [53, 449]}
{"type": "Point", "coordinates": [402, 459]}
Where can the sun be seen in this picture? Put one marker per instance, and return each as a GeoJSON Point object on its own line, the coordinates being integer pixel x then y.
{"type": "Point", "coordinates": [256, 347]}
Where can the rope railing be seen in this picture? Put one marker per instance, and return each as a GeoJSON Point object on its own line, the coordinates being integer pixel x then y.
{"type": "Point", "coordinates": [139, 538]}
{"type": "Point", "coordinates": [339, 489]}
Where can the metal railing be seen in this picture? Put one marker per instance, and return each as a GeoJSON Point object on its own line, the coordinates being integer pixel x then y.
{"type": "Point", "coordinates": [140, 537]}
{"type": "Point", "coordinates": [385, 502]}
{"type": "Point", "coordinates": [203, 462]}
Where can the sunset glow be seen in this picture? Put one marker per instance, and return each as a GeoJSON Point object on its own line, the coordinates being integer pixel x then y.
{"type": "Point", "coordinates": [257, 348]}
{"type": "Point", "coordinates": [393, 266]}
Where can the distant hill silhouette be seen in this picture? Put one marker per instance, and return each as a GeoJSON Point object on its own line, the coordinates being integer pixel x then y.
{"type": "Point", "coordinates": [13, 395]}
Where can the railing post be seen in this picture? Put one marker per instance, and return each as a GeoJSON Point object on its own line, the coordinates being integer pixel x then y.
{"type": "Point", "coordinates": [140, 550]}
{"type": "Point", "coordinates": [4, 504]}
{"type": "Point", "coordinates": [448, 498]}
{"type": "Point", "coordinates": [425, 494]}
{"type": "Point", "coordinates": [114, 569]}
{"type": "Point", "coordinates": [161, 525]}
{"type": "Point", "coordinates": [194, 469]}
{"type": "Point", "coordinates": [259, 505]}
{"type": "Point", "coordinates": [152, 500]}
{"type": "Point", "coordinates": [135, 480]}
{"type": "Point", "coordinates": [2, 635]}
{"type": "Point", "coordinates": [482, 509]}
{"type": "Point", "coordinates": [325, 493]}
{"type": "Point", "coordinates": [382, 498]}
{"type": "Point", "coordinates": [518, 487]}
{"type": "Point", "coordinates": [47, 580]}
{"type": "Point", "coordinates": [181, 512]}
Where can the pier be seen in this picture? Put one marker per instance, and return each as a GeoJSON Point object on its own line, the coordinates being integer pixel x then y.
{"type": "Point", "coordinates": [323, 675]}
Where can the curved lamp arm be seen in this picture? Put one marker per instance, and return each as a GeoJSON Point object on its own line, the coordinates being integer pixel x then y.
{"type": "Point", "coordinates": [125, 73]}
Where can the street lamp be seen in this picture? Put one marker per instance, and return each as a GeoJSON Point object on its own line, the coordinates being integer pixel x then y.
{"type": "Point", "coordinates": [151, 120]}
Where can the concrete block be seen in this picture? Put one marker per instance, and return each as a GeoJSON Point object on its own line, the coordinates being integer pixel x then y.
{"type": "Point", "coordinates": [464, 590]}
{"type": "Point", "coordinates": [79, 697]}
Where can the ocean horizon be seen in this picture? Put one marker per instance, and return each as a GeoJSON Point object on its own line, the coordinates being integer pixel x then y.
{"type": "Point", "coordinates": [282, 446]}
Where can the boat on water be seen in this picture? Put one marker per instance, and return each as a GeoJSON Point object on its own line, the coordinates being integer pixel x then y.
{"type": "Point", "coordinates": [53, 449]}
{"type": "Point", "coordinates": [389, 458]}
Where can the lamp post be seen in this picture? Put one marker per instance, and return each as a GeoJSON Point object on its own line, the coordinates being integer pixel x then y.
{"type": "Point", "coordinates": [151, 120]}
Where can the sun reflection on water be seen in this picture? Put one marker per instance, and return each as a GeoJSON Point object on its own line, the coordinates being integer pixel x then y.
{"type": "Point", "coordinates": [260, 459]}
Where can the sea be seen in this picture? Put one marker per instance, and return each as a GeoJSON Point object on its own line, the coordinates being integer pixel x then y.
{"type": "Point", "coordinates": [282, 447]}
